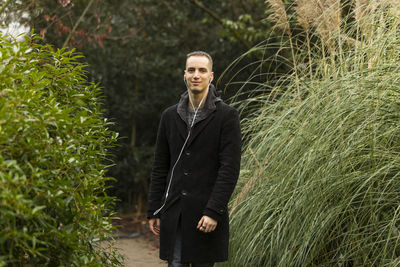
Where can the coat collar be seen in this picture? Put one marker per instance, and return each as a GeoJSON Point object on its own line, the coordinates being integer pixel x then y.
{"type": "Point", "coordinates": [209, 105]}
{"type": "Point", "coordinates": [209, 108]}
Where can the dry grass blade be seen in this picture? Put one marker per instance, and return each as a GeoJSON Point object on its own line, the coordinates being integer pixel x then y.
{"type": "Point", "coordinates": [323, 15]}
{"type": "Point", "coordinates": [327, 24]}
{"type": "Point", "coordinates": [279, 15]}
{"type": "Point", "coordinates": [305, 13]}
{"type": "Point", "coordinates": [363, 14]}
{"type": "Point", "coordinates": [257, 174]}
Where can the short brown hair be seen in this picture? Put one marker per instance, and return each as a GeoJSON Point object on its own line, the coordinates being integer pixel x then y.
{"type": "Point", "coordinates": [200, 53]}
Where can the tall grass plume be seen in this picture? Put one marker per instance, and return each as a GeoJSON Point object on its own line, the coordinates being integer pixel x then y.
{"type": "Point", "coordinates": [320, 179]}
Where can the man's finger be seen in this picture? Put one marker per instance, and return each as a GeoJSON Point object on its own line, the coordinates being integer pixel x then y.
{"type": "Point", "coordinates": [211, 227]}
{"type": "Point", "coordinates": [207, 227]}
{"type": "Point", "coordinates": [200, 224]}
{"type": "Point", "coordinates": [155, 230]}
{"type": "Point", "coordinates": [151, 227]}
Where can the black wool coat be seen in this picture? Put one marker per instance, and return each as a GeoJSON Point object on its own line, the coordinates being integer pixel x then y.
{"type": "Point", "coordinates": [203, 181]}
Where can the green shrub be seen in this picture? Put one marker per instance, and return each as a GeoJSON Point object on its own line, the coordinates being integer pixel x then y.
{"type": "Point", "coordinates": [53, 144]}
{"type": "Point", "coordinates": [321, 167]}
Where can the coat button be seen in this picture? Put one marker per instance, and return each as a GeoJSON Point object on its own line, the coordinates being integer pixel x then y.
{"type": "Point", "coordinates": [187, 153]}
{"type": "Point", "coordinates": [186, 173]}
{"type": "Point", "coordinates": [184, 193]}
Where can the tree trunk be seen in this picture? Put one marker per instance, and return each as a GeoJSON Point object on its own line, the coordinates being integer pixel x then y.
{"type": "Point", "coordinates": [133, 133]}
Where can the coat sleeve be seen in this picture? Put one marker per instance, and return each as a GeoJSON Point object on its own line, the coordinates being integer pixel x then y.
{"type": "Point", "coordinates": [229, 166]}
{"type": "Point", "coordinates": [160, 169]}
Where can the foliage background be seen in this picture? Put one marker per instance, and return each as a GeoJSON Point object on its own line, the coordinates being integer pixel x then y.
{"type": "Point", "coordinates": [136, 50]}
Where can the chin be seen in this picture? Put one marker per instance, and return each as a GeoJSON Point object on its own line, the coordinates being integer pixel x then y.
{"type": "Point", "coordinates": [196, 91]}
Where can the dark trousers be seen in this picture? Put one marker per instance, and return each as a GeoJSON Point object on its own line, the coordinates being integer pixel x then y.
{"type": "Point", "coordinates": [176, 262]}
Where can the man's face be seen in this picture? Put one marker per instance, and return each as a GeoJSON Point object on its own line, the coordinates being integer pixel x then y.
{"type": "Point", "coordinates": [198, 74]}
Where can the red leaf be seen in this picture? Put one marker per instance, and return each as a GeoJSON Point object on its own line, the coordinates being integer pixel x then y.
{"type": "Point", "coordinates": [65, 3]}
{"type": "Point", "coordinates": [108, 28]}
{"type": "Point", "coordinates": [100, 42]}
{"type": "Point", "coordinates": [43, 32]}
{"type": "Point", "coordinates": [46, 17]}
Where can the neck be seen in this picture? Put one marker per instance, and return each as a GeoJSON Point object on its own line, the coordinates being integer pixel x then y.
{"type": "Point", "coordinates": [197, 98]}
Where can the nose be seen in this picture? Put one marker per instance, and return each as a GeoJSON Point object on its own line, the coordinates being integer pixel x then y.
{"type": "Point", "coordinates": [196, 74]}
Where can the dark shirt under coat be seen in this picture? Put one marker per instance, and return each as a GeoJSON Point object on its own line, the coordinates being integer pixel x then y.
{"type": "Point", "coordinates": [203, 180]}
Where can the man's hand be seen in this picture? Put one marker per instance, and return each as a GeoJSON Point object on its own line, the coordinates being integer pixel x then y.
{"type": "Point", "coordinates": [207, 224]}
{"type": "Point", "coordinates": [154, 224]}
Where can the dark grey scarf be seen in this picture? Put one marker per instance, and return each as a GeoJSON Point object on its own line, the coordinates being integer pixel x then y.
{"type": "Point", "coordinates": [208, 108]}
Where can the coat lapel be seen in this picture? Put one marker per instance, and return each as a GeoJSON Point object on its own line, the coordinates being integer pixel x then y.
{"type": "Point", "coordinates": [199, 127]}
{"type": "Point", "coordinates": [181, 126]}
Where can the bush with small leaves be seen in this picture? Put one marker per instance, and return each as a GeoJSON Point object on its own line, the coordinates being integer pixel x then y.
{"type": "Point", "coordinates": [53, 144]}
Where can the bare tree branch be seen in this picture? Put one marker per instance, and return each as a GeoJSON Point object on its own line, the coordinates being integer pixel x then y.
{"type": "Point", "coordinates": [77, 23]}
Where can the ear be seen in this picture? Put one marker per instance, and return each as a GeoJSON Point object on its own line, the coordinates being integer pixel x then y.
{"type": "Point", "coordinates": [212, 77]}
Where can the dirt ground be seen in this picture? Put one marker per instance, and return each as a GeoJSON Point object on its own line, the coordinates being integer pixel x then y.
{"type": "Point", "coordinates": [135, 241]}
{"type": "Point", "coordinates": [139, 252]}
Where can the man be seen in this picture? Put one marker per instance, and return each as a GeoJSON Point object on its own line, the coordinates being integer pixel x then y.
{"type": "Point", "coordinates": [195, 169]}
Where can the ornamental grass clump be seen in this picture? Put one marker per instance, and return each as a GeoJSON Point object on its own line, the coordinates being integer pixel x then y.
{"type": "Point", "coordinates": [53, 145]}
{"type": "Point", "coordinates": [320, 179]}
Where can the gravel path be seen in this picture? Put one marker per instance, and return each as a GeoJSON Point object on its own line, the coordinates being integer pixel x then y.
{"type": "Point", "coordinates": [139, 252]}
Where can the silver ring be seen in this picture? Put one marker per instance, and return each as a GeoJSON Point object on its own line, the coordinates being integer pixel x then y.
{"type": "Point", "coordinates": [203, 227]}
